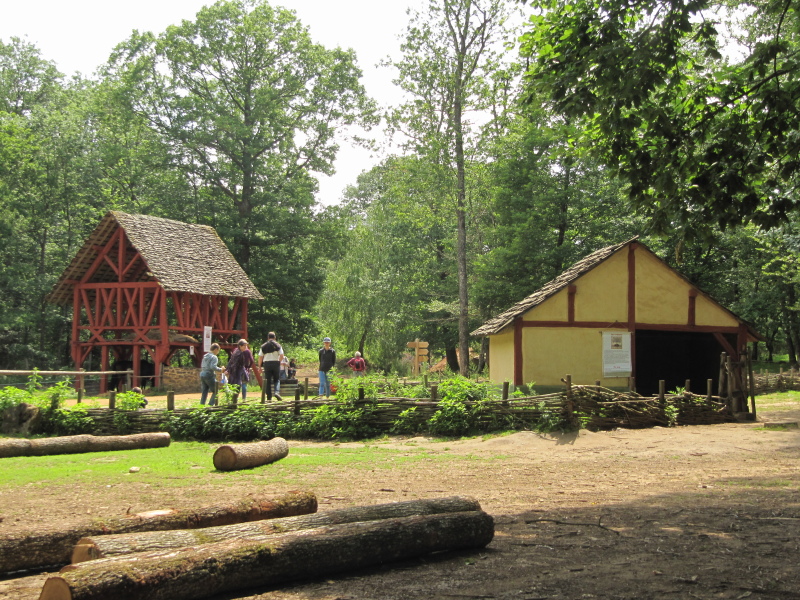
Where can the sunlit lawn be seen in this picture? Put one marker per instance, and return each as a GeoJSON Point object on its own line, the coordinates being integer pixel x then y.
{"type": "Point", "coordinates": [778, 401]}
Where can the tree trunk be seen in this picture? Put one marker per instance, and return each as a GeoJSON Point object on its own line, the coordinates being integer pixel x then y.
{"type": "Point", "coordinates": [232, 565]}
{"type": "Point", "coordinates": [105, 546]}
{"type": "Point", "coordinates": [27, 550]}
{"type": "Point", "coordinates": [452, 358]}
{"type": "Point", "coordinates": [75, 444]}
{"type": "Point", "coordinates": [484, 355]}
{"type": "Point", "coordinates": [233, 457]}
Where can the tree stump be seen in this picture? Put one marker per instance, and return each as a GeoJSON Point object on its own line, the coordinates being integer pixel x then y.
{"type": "Point", "coordinates": [105, 546]}
{"type": "Point", "coordinates": [36, 550]}
{"type": "Point", "coordinates": [233, 457]}
{"type": "Point", "coordinates": [242, 564]}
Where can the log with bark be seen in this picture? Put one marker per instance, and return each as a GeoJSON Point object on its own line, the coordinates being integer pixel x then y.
{"type": "Point", "coordinates": [231, 565]}
{"type": "Point", "coordinates": [104, 546]}
{"type": "Point", "coordinates": [75, 444]}
{"type": "Point", "coordinates": [35, 550]}
{"type": "Point", "coordinates": [233, 457]}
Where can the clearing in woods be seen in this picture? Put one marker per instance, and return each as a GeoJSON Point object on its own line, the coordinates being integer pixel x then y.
{"type": "Point", "coordinates": [690, 512]}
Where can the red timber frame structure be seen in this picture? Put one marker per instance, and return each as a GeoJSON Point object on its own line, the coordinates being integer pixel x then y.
{"type": "Point", "coordinates": [120, 308]}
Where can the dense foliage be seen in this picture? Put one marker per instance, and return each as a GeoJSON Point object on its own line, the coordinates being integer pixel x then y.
{"type": "Point", "coordinates": [675, 121]}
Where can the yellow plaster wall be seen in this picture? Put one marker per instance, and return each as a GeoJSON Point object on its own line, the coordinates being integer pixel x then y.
{"type": "Point", "coordinates": [501, 356]}
{"type": "Point", "coordinates": [661, 295]}
{"type": "Point", "coordinates": [707, 312]}
{"type": "Point", "coordinates": [552, 309]}
{"type": "Point", "coordinates": [602, 293]}
{"type": "Point", "coordinates": [551, 353]}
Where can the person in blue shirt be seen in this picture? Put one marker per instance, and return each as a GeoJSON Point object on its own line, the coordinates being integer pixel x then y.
{"type": "Point", "coordinates": [208, 375]}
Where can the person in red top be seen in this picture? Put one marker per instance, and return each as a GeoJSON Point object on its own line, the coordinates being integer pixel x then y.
{"type": "Point", "coordinates": [357, 364]}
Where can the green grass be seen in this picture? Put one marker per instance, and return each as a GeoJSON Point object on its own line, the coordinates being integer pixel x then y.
{"type": "Point", "coordinates": [190, 464]}
{"type": "Point", "coordinates": [778, 401]}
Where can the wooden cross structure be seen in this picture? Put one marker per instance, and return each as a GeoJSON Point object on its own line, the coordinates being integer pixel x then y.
{"type": "Point", "coordinates": [146, 284]}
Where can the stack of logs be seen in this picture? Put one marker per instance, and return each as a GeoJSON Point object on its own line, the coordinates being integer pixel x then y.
{"type": "Point", "coordinates": [195, 554]}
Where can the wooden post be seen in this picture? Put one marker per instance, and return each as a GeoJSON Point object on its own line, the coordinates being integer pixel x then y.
{"type": "Point", "coordinates": [425, 380]}
{"type": "Point", "coordinates": [434, 393]}
{"type": "Point", "coordinates": [263, 393]}
{"type": "Point", "coordinates": [633, 384]}
{"type": "Point", "coordinates": [597, 383]}
{"type": "Point", "coordinates": [129, 381]}
{"type": "Point", "coordinates": [568, 399]}
{"type": "Point", "coordinates": [80, 394]}
{"type": "Point", "coordinates": [81, 385]}
{"type": "Point", "coordinates": [752, 384]}
{"type": "Point", "coordinates": [112, 399]}
{"type": "Point", "coordinates": [505, 390]}
{"type": "Point", "coordinates": [305, 389]}
{"type": "Point", "coordinates": [687, 387]}
{"type": "Point", "coordinates": [662, 388]}
{"type": "Point", "coordinates": [297, 401]}
{"type": "Point", "coordinates": [361, 393]}
{"type": "Point", "coordinates": [709, 389]}
{"type": "Point", "coordinates": [721, 380]}
{"type": "Point", "coordinates": [170, 400]}
{"type": "Point", "coordinates": [729, 368]}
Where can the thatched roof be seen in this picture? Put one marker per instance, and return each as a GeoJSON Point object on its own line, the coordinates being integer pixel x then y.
{"type": "Point", "coordinates": [586, 264]}
{"type": "Point", "coordinates": [504, 319]}
{"type": "Point", "coordinates": [181, 257]}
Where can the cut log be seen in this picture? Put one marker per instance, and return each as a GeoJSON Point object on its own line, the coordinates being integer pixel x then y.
{"type": "Point", "coordinates": [75, 444]}
{"type": "Point", "coordinates": [104, 546]}
{"type": "Point", "coordinates": [233, 457]}
{"type": "Point", "coordinates": [231, 565]}
{"type": "Point", "coordinates": [41, 549]}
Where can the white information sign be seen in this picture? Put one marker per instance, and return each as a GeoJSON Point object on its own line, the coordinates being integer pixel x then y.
{"type": "Point", "coordinates": [207, 338]}
{"type": "Point", "coordinates": [617, 354]}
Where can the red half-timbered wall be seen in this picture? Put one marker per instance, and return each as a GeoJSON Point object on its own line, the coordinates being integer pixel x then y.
{"type": "Point", "coordinates": [120, 308]}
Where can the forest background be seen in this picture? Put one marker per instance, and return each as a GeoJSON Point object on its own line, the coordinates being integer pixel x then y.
{"type": "Point", "coordinates": [520, 150]}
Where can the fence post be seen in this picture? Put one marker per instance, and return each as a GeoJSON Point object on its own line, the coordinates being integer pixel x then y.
{"type": "Point", "coordinates": [297, 401]}
{"type": "Point", "coordinates": [722, 376]}
{"type": "Point", "coordinates": [753, 383]}
{"type": "Point", "coordinates": [361, 393]}
{"type": "Point", "coordinates": [709, 388]}
{"type": "Point", "coordinates": [263, 391]}
{"type": "Point", "coordinates": [687, 386]}
{"type": "Point", "coordinates": [662, 389]}
{"type": "Point", "coordinates": [112, 399]}
{"type": "Point", "coordinates": [80, 394]}
{"type": "Point", "coordinates": [170, 400]}
{"type": "Point", "coordinates": [569, 405]}
{"type": "Point", "coordinates": [81, 384]}
{"type": "Point", "coordinates": [505, 390]}
{"type": "Point", "coordinates": [425, 380]}
{"type": "Point", "coordinates": [129, 381]}
{"type": "Point", "coordinates": [597, 383]}
{"type": "Point", "coordinates": [434, 393]}
{"type": "Point", "coordinates": [305, 389]}
{"type": "Point", "coordinates": [632, 384]}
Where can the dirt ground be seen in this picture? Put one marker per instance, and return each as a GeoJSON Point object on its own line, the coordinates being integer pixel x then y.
{"type": "Point", "coordinates": [689, 512]}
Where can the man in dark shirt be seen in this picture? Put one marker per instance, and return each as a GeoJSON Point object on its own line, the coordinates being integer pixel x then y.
{"type": "Point", "coordinates": [327, 360]}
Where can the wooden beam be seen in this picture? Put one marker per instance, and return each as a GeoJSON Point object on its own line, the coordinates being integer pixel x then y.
{"type": "Point", "coordinates": [518, 351]}
{"type": "Point", "coordinates": [571, 303]}
{"type": "Point", "coordinates": [691, 317]}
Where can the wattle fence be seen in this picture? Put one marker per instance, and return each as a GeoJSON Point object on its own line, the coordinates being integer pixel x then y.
{"type": "Point", "coordinates": [592, 407]}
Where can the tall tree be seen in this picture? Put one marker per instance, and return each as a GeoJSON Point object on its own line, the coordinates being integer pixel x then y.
{"type": "Point", "coordinates": [448, 57]}
{"type": "Point", "coordinates": [701, 141]}
{"type": "Point", "coordinates": [250, 107]}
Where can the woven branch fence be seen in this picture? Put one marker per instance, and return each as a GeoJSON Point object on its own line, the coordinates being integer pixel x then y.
{"type": "Point", "coordinates": [593, 407]}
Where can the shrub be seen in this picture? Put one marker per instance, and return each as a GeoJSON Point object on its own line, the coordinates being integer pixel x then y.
{"type": "Point", "coordinates": [70, 421]}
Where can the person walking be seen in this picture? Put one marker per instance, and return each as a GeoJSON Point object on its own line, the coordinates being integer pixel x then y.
{"type": "Point", "coordinates": [269, 359]}
{"type": "Point", "coordinates": [238, 369]}
{"type": "Point", "coordinates": [208, 375]}
{"type": "Point", "coordinates": [358, 365]}
{"type": "Point", "coordinates": [284, 373]}
{"type": "Point", "coordinates": [327, 360]}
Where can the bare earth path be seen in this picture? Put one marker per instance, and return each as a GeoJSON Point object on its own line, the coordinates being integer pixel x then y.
{"type": "Point", "coordinates": [689, 512]}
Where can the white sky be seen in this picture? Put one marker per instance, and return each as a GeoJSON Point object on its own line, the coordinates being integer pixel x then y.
{"type": "Point", "coordinates": [78, 35]}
